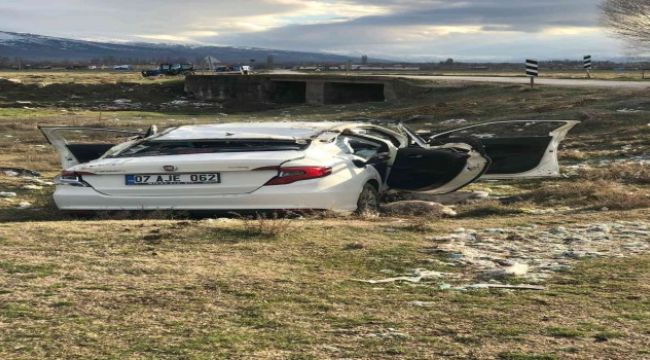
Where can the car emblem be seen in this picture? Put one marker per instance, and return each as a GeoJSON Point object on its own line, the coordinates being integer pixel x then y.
{"type": "Point", "coordinates": [169, 168]}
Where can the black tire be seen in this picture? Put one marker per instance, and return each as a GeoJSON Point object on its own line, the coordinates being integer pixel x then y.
{"type": "Point", "coordinates": [368, 202]}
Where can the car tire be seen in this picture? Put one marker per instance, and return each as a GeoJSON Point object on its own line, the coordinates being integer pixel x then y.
{"type": "Point", "coordinates": [368, 202]}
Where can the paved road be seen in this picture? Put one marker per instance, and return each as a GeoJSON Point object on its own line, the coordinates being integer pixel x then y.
{"type": "Point", "coordinates": [503, 79]}
{"type": "Point", "coordinates": [540, 81]}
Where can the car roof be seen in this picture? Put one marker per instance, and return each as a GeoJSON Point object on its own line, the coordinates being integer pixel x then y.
{"type": "Point", "coordinates": [254, 130]}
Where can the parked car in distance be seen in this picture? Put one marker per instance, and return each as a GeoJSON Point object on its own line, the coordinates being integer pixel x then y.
{"type": "Point", "coordinates": [340, 166]}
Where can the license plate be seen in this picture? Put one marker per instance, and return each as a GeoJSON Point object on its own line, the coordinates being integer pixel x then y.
{"type": "Point", "coordinates": [173, 179]}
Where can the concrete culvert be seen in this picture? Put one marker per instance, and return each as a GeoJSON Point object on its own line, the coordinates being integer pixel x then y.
{"type": "Point", "coordinates": [289, 92]}
{"type": "Point", "coordinates": [346, 93]}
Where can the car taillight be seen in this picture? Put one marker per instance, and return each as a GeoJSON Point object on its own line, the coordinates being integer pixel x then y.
{"type": "Point", "coordinates": [72, 178]}
{"type": "Point", "coordinates": [290, 175]}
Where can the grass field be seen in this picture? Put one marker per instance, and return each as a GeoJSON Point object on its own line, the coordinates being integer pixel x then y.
{"type": "Point", "coordinates": [160, 285]}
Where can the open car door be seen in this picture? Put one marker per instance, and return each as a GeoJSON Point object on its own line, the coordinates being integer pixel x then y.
{"type": "Point", "coordinates": [78, 145]}
{"type": "Point", "coordinates": [436, 170]}
{"type": "Point", "coordinates": [516, 148]}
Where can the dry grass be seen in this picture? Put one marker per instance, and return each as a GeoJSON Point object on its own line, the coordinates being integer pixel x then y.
{"type": "Point", "coordinates": [573, 155]}
{"type": "Point", "coordinates": [629, 173]}
{"type": "Point", "coordinates": [268, 226]}
{"type": "Point", "coordinates": [200, 289]}
{"type": "Point", "coordinates": [46, 78]}
{"type": "Point", "coordinates": [490, 208]}
{"type": "Point", "coordinates": [590, 194]}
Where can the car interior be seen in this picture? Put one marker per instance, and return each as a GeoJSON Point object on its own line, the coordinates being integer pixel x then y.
{"type": "Point", "coordinates": [367, 150]}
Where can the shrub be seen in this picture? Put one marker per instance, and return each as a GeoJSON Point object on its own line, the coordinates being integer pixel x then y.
{"type": "Point", "coordinates": [273, 226]}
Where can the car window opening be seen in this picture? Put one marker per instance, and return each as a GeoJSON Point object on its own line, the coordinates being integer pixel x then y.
{"type": "Point", "coordinates": [363, 148]}
{"type": "Point", "coordinates": [162, 148]}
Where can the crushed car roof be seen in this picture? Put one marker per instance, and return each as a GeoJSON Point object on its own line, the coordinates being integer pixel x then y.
{"type": "Point", "coordinates": [256, 130]}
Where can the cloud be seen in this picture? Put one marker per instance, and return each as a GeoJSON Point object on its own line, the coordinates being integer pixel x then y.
{"type": "Point", "coordinates": [386, 28]}
{"type": "Point", "coordinates": [470, 29]}
{"type": "Point", "coordinates": [520, 15]}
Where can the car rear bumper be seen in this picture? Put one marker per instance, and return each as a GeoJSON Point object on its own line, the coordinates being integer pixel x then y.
{"type": "Point", "coordinates": [282, 197]}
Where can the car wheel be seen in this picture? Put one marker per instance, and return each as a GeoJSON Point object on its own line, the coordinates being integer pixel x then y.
{"type": "Point", "coordinates": [368, 203]}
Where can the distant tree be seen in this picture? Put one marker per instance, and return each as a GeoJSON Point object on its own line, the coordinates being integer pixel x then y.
{"type": "Point", "coordinates": [449, 61]}
{"type": "Point", "coordinates": [629, 19]}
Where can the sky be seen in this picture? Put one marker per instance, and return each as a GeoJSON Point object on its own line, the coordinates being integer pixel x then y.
{"type": "Point", "coordinates": [415, 30]}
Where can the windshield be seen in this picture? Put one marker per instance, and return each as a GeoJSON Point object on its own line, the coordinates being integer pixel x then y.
{"type": "Point", "coordinates": [162, 148]}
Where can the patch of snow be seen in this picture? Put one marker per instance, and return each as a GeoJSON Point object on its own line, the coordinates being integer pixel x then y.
{"type": "Point", "coordinates": [535, 253]}
{"type": "Point", "coordinates": [415, 277]}
{"type": "Point", "coordinates": [24, 205]}
{"type": "Point", "coordinates": [626, 110]}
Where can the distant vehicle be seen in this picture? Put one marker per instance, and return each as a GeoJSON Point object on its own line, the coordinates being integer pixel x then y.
{"type": "Point", "coordinates": [122, 67]}
{"type": "Point", "coordinates": [234, 69]}
{"type": "Point", "coordinates": [339, 166]}
{"type": "Point", "coordinates": [170, 70]}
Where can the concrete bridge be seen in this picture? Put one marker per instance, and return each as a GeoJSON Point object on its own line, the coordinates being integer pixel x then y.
{"type": "Point", "coordinates": [297, 89]}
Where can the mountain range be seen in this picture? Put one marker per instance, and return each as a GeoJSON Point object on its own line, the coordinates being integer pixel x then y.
{"type": "Point", "coordinates": [35, 48]}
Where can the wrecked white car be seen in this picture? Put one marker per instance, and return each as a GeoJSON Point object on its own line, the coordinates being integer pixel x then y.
{"type": "Point", "coordinates": [299, 165]}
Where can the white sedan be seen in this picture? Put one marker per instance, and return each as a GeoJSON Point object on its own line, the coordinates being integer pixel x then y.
{"type": "Point", "coordinates": [336, 166]}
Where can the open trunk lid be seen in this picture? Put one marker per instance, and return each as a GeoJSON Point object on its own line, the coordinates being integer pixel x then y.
{"type": "Point", "coordinates": [79, 144]}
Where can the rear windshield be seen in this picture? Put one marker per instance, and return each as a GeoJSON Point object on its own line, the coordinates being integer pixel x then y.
{"type": "Point", "coordinates": [161, 148]}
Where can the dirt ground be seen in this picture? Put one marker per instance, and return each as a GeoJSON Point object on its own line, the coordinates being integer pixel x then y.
{"type": "Point", "coordinates": [572, 252]}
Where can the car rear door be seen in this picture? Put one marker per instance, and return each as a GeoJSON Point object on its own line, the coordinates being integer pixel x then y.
{"type": "Point", "coordinates": [516, 148]}
{"type": "Point", "coordinates": [77, 145]}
